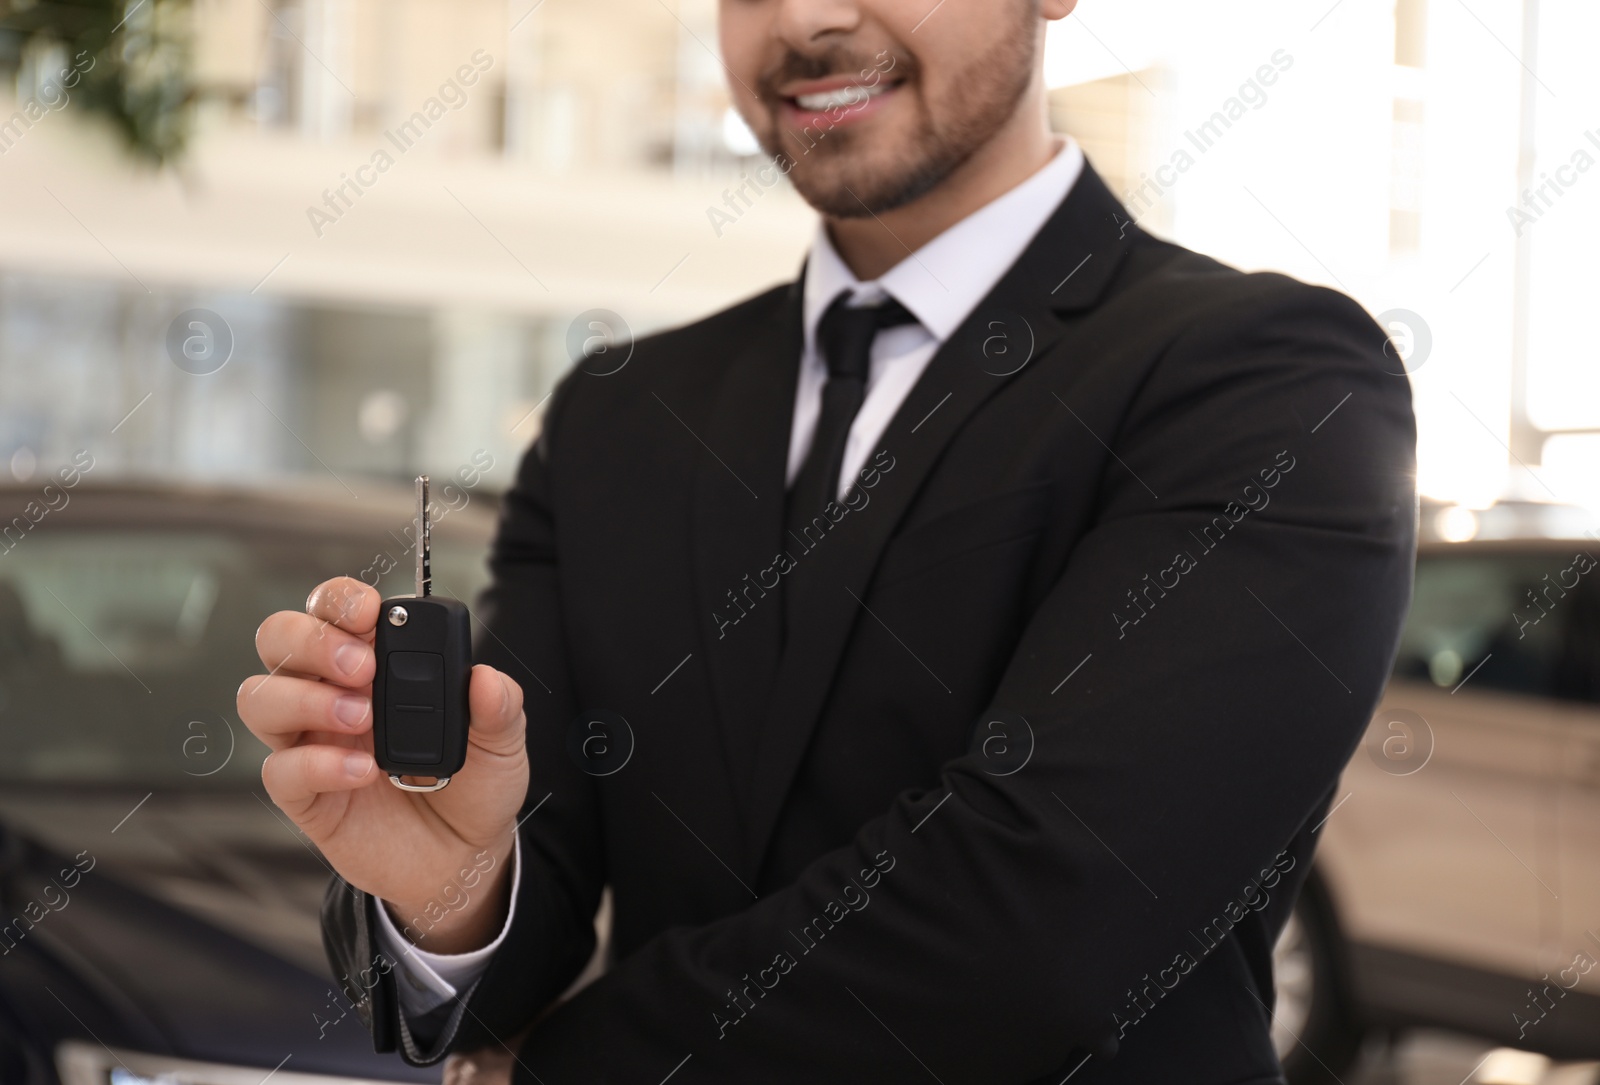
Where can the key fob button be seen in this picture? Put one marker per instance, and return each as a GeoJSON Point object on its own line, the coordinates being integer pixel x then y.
{"type": "Point", "coordinates": [415, 695]}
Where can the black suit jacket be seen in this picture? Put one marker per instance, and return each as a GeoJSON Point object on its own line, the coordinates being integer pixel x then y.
{"type": "Point", "coordinates": [1032, 782]}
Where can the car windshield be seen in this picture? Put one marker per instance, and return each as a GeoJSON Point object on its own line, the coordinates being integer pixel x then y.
{"type": "Point", "coordinates": [121, 648]}
{"type": "Point", "coordinates": [1514, 622]}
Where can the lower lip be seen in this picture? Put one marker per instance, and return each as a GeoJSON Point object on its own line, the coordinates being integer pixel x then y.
{"type": "Point", "coordinates": [836, 116]}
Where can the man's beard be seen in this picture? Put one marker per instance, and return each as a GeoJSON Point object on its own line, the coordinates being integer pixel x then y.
{"type": "Point", "coordinates": [834, 170]}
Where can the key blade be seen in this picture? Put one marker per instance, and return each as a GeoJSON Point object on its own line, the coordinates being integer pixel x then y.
{"type": "Point", "coordinates": [424, 537]}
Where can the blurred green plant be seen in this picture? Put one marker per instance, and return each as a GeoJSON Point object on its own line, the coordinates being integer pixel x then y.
{"type": "Point", "coordinates": [126, 61]}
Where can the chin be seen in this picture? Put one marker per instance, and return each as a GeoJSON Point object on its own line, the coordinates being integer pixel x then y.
{"type": "Point", "coordinates": [851, 175]}
{"type": "Point", "coordinates": [869, 186]}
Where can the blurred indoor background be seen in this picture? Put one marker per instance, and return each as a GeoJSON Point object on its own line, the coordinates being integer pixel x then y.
{"type": "Point", "coordinates": [321, 245]}
{"type": "Point", "coordinates": [1417, 154]}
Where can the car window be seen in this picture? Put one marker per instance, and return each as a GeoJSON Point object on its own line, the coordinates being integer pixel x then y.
{"type": "Point", "coordinates": [1526, 623]}
{"type": "Point", "coordinates": [121, 649]}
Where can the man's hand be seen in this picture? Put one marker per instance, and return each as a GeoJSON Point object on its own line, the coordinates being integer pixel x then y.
{"type": "Point", "coordinates": [438, 859]}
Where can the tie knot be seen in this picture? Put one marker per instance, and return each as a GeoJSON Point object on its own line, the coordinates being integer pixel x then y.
{"type": "Point", "coordinates": [845, 333]}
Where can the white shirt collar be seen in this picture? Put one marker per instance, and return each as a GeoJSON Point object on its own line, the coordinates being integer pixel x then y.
{"type": "Point", "coordinates": [944, 280]}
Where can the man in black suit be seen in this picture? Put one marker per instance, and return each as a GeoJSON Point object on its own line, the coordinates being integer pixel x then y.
{"type": "Point", "coordinates": [946, 659]}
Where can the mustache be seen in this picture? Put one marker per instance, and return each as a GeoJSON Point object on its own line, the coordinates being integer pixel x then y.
{"type": "Point", "coordinates": [865, 68]}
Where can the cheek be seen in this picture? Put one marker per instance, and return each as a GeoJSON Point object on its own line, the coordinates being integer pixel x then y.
{"type": "Point", "coordinates": [742, 30]}
{"type": "Point", "coordinates": [968, 66]}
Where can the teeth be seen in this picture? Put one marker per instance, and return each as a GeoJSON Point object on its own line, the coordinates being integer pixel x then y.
{"type": "Point", "coordinates": [844, 96]}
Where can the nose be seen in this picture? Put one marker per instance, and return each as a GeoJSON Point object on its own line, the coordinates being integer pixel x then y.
{"type": "Point", "coordinates": [805, 24]}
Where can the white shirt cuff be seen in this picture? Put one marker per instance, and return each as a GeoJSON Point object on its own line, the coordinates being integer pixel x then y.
{"type": "Point", "coordinates": [427, 980]}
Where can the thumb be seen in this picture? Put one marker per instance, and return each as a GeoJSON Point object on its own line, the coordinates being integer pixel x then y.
{"type": "Point", "coordinates": [498, 726]}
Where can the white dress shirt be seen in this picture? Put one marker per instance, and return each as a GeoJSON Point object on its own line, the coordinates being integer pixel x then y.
{"type": "Point", "coordinates": [940, 284]}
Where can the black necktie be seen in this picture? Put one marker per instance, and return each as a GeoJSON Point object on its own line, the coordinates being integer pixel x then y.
{"type": "Point", "coordinates": [844, 338]}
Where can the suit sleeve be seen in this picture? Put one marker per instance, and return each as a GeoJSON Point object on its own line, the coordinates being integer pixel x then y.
{"type": "Point", "coordinates": [519, 630]}
{"type": "Point", "coordinates": [1235, 606]}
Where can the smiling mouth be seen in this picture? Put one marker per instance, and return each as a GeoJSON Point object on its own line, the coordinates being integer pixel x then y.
{"type": "Point", "coordinates": [854, 94]}
{"type": "Point", "coordinates": [850, 96]}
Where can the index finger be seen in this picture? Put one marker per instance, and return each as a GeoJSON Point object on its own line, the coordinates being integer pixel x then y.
{"type": "Point", "coordinates": [345, 602]}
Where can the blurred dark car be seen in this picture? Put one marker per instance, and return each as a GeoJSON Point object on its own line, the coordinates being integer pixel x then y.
{"type": "Point", "coordinates": [158, 915]}
{"type": "Point", "coordinates": [1457, 879]}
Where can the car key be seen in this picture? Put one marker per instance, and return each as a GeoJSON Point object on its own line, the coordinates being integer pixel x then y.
{"type": "Point", "coordinates": [419, 695]}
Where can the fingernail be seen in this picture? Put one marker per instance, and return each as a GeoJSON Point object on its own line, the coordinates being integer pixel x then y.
{"type": "Point", "coordinates": [356, 764]}
{"type": "Point", "coordinates": [350, 709]}
{"type": "Point", "coordinates": [349, 658]}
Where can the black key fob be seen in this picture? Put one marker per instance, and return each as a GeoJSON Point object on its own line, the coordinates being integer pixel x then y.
{"type": "Point", "coordinates": [419, 696]}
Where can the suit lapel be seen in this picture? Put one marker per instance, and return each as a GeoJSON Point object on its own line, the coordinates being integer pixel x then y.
{"type": "Point", "coordinates": [737, 524]}
{"type": "Point", "coordinates": [1065, 268]}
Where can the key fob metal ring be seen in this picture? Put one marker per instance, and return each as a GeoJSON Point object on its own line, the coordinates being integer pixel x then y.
{"type": "Point", "coordinates": [403, 786]}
